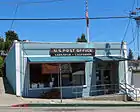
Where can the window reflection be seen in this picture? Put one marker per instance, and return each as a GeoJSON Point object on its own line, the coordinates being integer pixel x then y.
{"type": "Point", "coordinates": [48, 74]}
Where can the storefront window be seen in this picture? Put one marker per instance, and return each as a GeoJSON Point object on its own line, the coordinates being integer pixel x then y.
{"type": "Point", "coordinates": [78, 73]}
{"type": "Point", "coordinates": [50, 74]}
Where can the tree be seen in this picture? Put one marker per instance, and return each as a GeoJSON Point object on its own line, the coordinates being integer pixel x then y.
{"type": "Point", "coordinates": [136, 64]}
{"type": "Point", "coordinates": [130, 54]}
{"type": "Point", "coordinates": [138, 58]}
{"type": "Point", "coordinates": [2, 45]}
{"type": "Point", "coordinates": [11, 35]}
{"type": "Point", "coordinates": [7, 45]}
{"type": "Point", "coordinates": [1, 65]}
{"type": "Point", "coordinates": [82, 39]}
{"type": "Point", "coordinates": [78, 39]}
{"type": "Point", "coordinates": [1, 39]}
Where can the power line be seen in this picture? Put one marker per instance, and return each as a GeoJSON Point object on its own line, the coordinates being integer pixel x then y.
{"type": "Point", "coordinates": [134, 36]}
{"type": "Point", "coordinates": [13, 3]}
{"type": "Point", "coordinates": [133, 5]}
{"type": "Point", "coordinates": [134, 1]}
{"type": "Point", "coordinates": [137, 3]}
{"type": "Point", "coordinates": [126, 30]}
{"type": "Point", "coordinates": [44, 1]}
{"type": "Point", "coordinates": [59, 19]}
{"type": "Point", "coordinates": [33, 2]}
{"type": "Point", "coordinates": [11, 26]}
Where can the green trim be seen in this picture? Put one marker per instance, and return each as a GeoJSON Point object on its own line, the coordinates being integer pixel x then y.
{"type": "Point", "coordinates": [109, 58]}
{"type": "Point", "coordinates": [60, 59]}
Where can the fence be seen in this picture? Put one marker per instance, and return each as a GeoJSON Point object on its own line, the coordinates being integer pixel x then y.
{"type": "Point", "coordinates": [93, 91]}
{"type": "Point", "coordinates": [82, 91]}
{"type": "Point", "coordinates": [130, 91]}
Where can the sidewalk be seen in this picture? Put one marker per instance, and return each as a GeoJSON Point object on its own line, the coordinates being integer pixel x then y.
{"type": "Point", "coordinates": [9, 99]}
{"type": "Point", "coordinates": [29, 102]}
{"type": "Point", "coordinates": [2, 89]}
{"type": "Point", "coordinates": [12, 100]}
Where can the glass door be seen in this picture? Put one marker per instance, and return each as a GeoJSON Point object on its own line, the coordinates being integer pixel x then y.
{"type": "Point", "coordinates": [99, 82]}
{"type": "Point", "coordinates": [103, 77]}
{"type": "Point", "coordinates": [106, 77]}
{"type": "Point", "coordinates": [103, 81]}
{"type": "Point", "coordinates": [106, 81]}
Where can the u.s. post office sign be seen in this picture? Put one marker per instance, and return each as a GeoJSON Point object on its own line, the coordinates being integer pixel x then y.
{"type": "Point", "coordinates": [72, 52]}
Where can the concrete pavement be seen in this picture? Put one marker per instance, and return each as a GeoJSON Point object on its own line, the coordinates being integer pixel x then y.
{"type": "Point", "coordinates": [46, 109]}
{"type": "Point", "coordinates": [2, 89]}
{"type": "Point", "coordinates": [6, 96]}
{"type": "Point", "coordinates": [29, 102]}
{"type": "Point", "coordinates": [8, 99]}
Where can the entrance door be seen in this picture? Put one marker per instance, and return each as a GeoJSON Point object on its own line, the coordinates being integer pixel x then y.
{"type": "Point", "coordinates": [103, 78]}
{"type": "Point", "coordinates": [106, 77]}
{"type": "Point", "coordinates": [106, 81]}
{"type": "Point", "coordinates": [99, 82]}
{"type": "Point", "coordinates": [103, 81]}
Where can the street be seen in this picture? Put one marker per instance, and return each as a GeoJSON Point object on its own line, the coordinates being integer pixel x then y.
{"type": "Point", "coordinates": [71, 109]}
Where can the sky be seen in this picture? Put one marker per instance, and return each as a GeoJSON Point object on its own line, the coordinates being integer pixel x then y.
{"type": "Point", "coordinates": [111, 30]}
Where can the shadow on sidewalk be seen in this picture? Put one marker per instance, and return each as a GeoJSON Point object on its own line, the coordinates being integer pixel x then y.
{"type": "Point", "coordinates": [7, 86]}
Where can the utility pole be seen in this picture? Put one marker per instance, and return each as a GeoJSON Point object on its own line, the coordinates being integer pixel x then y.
{"type": "Point", "coordinates": [136, 16]}
{"type": "Point", "coordinates": [138, 35]}
{"type": "Point", "coordinates": [87, 22]}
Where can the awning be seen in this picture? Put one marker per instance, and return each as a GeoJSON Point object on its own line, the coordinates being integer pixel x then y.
{"type": "Point", "coordinates": [60, 59]}
{"type": "Point", "coordinates": [109, 58]}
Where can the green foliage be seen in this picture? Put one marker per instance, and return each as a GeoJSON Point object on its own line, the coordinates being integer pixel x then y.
{"type": "Point", "coordinates": [2, 45]}
{"type": "Point", "coordinates": [1, 65]}
{"type": "Point", "coordinates": [11, 35]}
{"type": "Point", "coordinates": [138, 57]}
{"type": "Point", "coordinates": [82, 39]}
{"type": "Point", "coordinates": [78, 39]}
{"type": "Point", "coordinates": [7, 46]}
{"type": "Point", "coordinates": [1, 62]}
{"type": "Point", "coordinates": [130, 54]}
{"type": "Point", "coordinates": [1, 39]}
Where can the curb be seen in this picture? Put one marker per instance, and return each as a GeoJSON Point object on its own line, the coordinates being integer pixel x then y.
{"type": "Point", "coordinates": [74, 105]}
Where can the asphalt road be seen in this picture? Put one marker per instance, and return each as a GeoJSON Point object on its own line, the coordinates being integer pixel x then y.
{"type": "Point", "coordinates": [94, 109]}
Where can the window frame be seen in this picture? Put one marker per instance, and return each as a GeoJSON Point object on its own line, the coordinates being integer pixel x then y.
{"type": "Point", "coordinates": [84, 85]}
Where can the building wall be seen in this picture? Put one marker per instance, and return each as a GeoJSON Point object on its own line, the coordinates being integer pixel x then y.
{"type": "Point", "coordinates": [136, 79]}
{"type": "Point", "coordinates": [43, 48]}
{"type": "Point", "coordinates": [11, 68]}
{"type": "Point", "coordinates": [35, 49]}
{"type": "Point", "coordinates": [30, 49]}
{"type": "Point", "coordinates": [121, 72]}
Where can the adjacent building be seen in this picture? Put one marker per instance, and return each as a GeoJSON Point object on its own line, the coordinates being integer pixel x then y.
{"type": "Point", "coordinates": [134, 65]}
